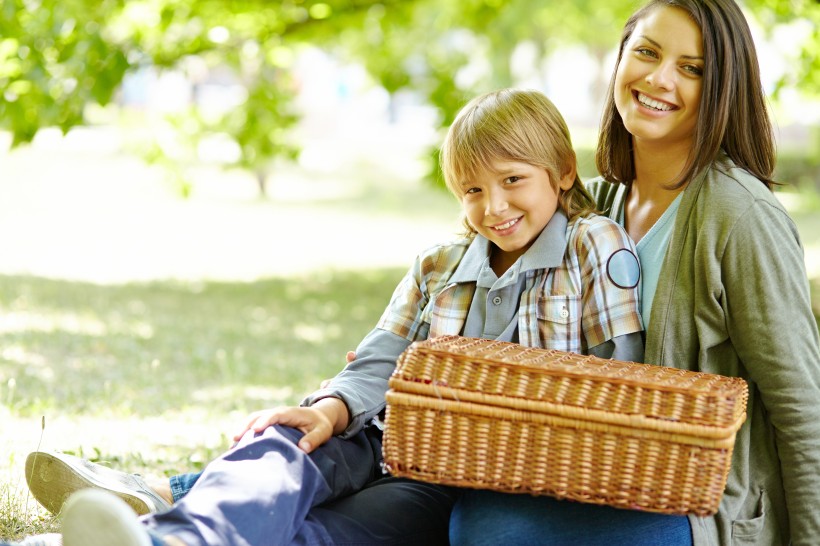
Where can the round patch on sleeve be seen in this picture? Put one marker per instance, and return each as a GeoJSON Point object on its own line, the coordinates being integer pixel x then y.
{"type": "Point", "coordinates": [623, 269]}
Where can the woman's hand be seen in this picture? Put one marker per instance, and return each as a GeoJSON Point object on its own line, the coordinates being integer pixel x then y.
{"type": "Point", "coordinates": [319, 422]}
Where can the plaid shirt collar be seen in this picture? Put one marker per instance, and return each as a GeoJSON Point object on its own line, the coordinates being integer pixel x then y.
{"type": "Point", "coordinates": [546, 252]}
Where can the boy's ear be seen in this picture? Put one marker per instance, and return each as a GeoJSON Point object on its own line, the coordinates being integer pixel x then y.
{"type": "Point", "coordinates": [567, 179]}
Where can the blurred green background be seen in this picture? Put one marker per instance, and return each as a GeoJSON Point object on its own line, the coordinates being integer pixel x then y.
{"type": "Point", "coordinates": [205, 204]}
{"type": "Point", "coordinates": [237, 74]}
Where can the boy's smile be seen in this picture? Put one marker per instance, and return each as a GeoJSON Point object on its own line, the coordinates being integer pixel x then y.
{"type": "Point", "coordinates": [510, 204]}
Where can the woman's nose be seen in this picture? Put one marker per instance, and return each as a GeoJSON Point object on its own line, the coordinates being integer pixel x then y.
{"type": "Point", "coordinates": [662, 77]}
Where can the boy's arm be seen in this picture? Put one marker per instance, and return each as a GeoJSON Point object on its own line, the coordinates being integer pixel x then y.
{"type": "Point", "coordinates": [610, 277]}
{"type": "Point", "coordinates": [627, 347]}
{"type": "Point", "coordinates": [362, 384]}
{"type": "Point", "coordinates": [346, 403]}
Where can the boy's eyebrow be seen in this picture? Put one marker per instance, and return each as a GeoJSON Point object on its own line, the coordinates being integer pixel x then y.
{"type": "Point", "coordinates": [659, 46]}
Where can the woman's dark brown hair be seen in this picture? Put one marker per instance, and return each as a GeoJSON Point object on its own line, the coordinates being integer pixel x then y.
{"type": "Point", "coordinates": [733, 115]}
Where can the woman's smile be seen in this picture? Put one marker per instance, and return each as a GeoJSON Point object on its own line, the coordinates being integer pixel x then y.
{"type": "Point", "coordinates": [653, 104]}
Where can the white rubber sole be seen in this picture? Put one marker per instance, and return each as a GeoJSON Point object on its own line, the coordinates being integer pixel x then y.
{"type": "Point", "coordinates": [52, 478]}
{"type": "Point", "coordinates": [97, 518]}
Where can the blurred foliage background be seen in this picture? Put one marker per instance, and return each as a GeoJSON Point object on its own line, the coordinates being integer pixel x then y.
{"type": "Point", "coordinates": [61, 60]}
{"type": "Point", "coordinates": [144, 326]}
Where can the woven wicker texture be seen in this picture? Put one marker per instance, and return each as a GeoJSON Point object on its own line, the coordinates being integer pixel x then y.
{"type": "Point", "coordinates": [496, 415]}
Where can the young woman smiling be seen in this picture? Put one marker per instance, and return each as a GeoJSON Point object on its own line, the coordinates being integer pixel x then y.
{"type": "Point", "coordinates": [686, 155]}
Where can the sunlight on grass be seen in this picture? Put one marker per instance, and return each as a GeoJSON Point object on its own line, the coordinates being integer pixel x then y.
{"type": "Point", "coordinates": [21, 515]}
{"type": "Point", "coordinates": [160, 446]}
{"type": "Point", "coordinates": [11, 322]}
{"type": "Point", "coordinates": [154, 377]}
{"type": "Point", "coordinates": [263, 396]}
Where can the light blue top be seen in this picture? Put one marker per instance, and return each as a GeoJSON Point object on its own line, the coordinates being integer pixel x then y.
{"type": "Point", "coordinates": [651, 250]}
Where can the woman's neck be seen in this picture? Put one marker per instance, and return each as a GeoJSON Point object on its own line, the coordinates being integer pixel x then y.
{"type": "Point", "coordinates": [656, 169]}
{"type": "Point", "coordinates": [660, 165]}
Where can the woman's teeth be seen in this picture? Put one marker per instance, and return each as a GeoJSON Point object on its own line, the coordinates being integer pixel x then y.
{"type": "Point", "coordinates": [652, 103]}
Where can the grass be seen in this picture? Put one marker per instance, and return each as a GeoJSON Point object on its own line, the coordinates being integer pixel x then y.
{"type": "Point", "coordinates": [160, 355]}
{"type": "Point", "coordinates": [232, 346]}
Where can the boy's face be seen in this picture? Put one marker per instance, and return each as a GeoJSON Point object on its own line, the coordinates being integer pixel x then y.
{"type": "Point", "coordinates": [510, 204]}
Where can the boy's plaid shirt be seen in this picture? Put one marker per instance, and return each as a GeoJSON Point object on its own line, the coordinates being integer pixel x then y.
{"type": "Point", "coordinates": [570, 307]}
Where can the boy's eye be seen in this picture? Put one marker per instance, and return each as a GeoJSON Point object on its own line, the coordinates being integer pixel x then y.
{"type": "Point", "coordinates": [512, 179]}
{"type": "Point", "coordinates": [472, 190]}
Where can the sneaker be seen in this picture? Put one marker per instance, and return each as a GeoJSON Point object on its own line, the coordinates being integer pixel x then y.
{"type": "Point", "coordinates": [98, 518]}
{"type": "Point", "coordinates": [53, 477]}
{"type": "Point", "coordinates": [50, 539]}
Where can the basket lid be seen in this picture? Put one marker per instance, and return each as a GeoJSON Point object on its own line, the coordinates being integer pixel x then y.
{"type": "Point", "coordinates": [511, 375]}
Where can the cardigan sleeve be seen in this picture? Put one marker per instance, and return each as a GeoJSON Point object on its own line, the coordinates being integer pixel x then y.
{"type": "Point", "coordinates": [772, 328]}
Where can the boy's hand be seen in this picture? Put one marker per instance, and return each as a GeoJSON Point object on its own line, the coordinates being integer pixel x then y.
{"type": "Point", "coordinates": [319, 422]}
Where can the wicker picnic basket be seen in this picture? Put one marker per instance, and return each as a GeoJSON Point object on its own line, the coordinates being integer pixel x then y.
{"type": "Point", "coordinates": [495, 415]}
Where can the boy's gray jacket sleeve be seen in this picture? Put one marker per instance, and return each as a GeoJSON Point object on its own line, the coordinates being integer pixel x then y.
{"type": "Point", "coordinates": [627, 347]}
{"type": "Point", "coordinates": [363, 382]}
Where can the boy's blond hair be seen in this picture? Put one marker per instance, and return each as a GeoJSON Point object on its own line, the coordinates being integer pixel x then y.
{"type": "Point", "coordinates": [513, 125]}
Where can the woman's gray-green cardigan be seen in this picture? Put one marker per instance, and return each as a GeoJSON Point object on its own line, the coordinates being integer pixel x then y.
{"type": "Point", "coordinates": [733, 299]}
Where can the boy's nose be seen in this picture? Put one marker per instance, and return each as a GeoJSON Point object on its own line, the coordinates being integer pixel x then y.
{"type": "Point", "coordinates": [496, 204]}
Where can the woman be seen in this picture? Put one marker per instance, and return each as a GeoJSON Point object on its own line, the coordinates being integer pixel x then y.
{"type": "Point", "coordinates": [686, 155]}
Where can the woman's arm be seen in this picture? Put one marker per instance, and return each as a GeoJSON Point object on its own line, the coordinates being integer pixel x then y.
{"type": "Point", "coordinates": [772, 328]}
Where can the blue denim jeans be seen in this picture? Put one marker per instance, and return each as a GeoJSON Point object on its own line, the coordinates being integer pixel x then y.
{"type": "Point", "coordinates": [266, 491]}
{"type": "Point", "coordinates": [181, 484]}
{"type": "Point", "coordinates": [486, 518]}
{"type": "Point", "coordinates": [387, 512]}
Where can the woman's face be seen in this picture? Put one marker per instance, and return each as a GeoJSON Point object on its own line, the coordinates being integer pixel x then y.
{"type": "Point", "coordinates": [659, 79]}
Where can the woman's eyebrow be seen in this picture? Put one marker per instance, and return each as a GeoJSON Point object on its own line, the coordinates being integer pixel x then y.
{"type": "Point", "coordinates": [659, 46]}
{"type": "Point", "coordinates": [653, 42]}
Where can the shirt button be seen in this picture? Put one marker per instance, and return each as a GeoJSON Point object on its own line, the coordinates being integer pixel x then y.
{"type": "Point", "coordinates": [564, 313]}
{"type": "Point", "coordinates": [497, 300]}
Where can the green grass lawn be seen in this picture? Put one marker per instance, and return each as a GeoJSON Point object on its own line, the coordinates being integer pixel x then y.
{"type": "Point", "coordinates": [152, 358]}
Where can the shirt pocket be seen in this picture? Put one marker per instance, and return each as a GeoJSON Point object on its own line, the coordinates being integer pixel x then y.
{"type": "Point", "coordinates": [748, 532]}
{"type": "Point", "coordinates": [559, 322]}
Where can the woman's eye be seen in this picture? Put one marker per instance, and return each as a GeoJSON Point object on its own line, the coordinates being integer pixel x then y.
{"type": "Point", "coordinates": [645, 52]}
{"type": "Point", "coordinates": [694, 70]}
